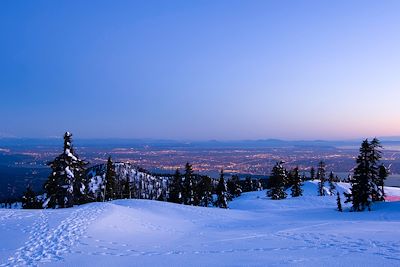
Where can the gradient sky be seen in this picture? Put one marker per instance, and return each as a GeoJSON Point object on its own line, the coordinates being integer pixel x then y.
{"type": "Point", "coordinates": [200, 69]}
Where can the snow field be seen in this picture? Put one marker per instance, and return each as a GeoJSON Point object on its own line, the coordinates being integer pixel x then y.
{"type": "Point", "coordinates": [255, 231]}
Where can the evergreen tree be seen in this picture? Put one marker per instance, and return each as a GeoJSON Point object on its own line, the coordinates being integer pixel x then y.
{"type": "Point", "coordinates": [66, 184]}
{"type": "Point", "coordinates": [296, 183]}
{"type": "Point", "coordinates": [110, 179]}
{"type": "Point", "coordinates": [339, 202]}
{"type": "Point", "coordinates": [332, 186]}
{"type": "Point", "coordinates": [188, 186]}
{"type": "Point", "coordinates": [383, 173]}
{"type": "Point", "coordinates": [258, 185]}
{"type": "Point", "coordinates": [277, 182]}
{"type": "Point", "coordinates": [248, 184]}
{"type": "Point", "coordinates": [126, 188]}
{"type": "Point", "coordinates": [289, 179]}
{"type": "Point", "coordinates": [29, 200]}
{"type": "Point", "coordinates": [321, 177]}
{"type": "Point", "coordinates": [234, 189]}
{"type": "Point", "coordinates": [175, 192]}
{"type": "Point", "coordinates": [312, 173]}
{"type": "Point", "coordinates": [364, 187]}
{"type": "Point", "coordinates": [205, 189]}
{"type": "Point", "coordinates": [222, 200]}
{"type": "Point", "coordinates": [374, 157]}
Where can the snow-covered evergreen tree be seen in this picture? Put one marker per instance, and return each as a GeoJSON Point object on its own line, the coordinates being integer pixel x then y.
{"type": "Point", "coordinates": [277, 182]}
{"type": "Point", "coordinates": [66, 184]}
{"type": "Point", "coordinates": [222, 191]}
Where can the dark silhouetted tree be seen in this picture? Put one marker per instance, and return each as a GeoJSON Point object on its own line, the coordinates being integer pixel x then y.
{"type": "Point", "coordinates": [312, 173]}
{"type": "Point", "coordinates": [331, 180]}
{"type": "Point", "coordinates": [188, 186]}
{"type": "Point", "coordinates": [321, 177]}
{"type": "Point", "coordinates": [222, 200]}
{"type": "Point", "coordinates": [175, 192]}
{"type": "Point", "coordinates": [383, 173]}
{"type": "Point", "coordinates": [296, 183]}
{"type": "Point", "coordinates": [234, 189]}
{"type": "Point", "coordinates": [29, 199]}
{"type": "Point", "coordinates": [205, 190]}
{"type": "Point", "coordinates": [248, 184]}
{"type": "Point", "coordinates": [364, 187]}
{"type": "Point", "coordinates": [110, 181]}
{"type": "Point", "coordinates": [277, 182]}
{"type": "Point", "coordinates": [339, 203]}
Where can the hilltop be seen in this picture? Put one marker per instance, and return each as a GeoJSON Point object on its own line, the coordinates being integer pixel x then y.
{"type": "Point", "coordinates": [255, 231]}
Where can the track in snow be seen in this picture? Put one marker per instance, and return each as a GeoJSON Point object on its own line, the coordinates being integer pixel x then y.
{"type": "Point", "coordinates": [47, 244]}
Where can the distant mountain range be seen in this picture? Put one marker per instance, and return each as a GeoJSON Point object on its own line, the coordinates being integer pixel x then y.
{"type": "Point", "coordinates": [158, 143]}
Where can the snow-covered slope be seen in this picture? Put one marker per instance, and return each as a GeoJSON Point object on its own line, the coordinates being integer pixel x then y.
{"type": "Point", "coordinates": [143, 184]}
{"type": "Point", "coordinates": [255, 231]}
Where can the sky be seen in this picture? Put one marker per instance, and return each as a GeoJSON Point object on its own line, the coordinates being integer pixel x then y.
{"type": "Point", "coordinates": [200, 70]}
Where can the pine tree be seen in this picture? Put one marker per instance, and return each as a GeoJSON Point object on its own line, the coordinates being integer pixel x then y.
{"type": "Point", "coordinates": [374, 157]}
{"type": "Point", "coordinates": [126, 188]}
{"type": "Point", "coordinates": [29, 200]}
{"type": "Point", "coordinates": [312, 173]}
{"type": "Point", "coordinates": [339, 202]}
{"type": "Point", "coordinates": [321, 177]}
{"type": "Point", "coordinates": [365, 180]}
{"type": "Point", "coordinates": [175, 192]}
{"type": "Point", "coordinates": [296, 183]}
{"type": "Point", "coordinates": [277, 182]}
{"type": "Point", "coordinates": [234, 187]}
{"type": "Point", "coordinates": [188, 186]}
{"type": "Point", "coordinates": [205, 189]}
{"type": "Point", "coordinates": [230, 185]}
{"type": "Point", "coordinates": [383, 173]}
{"type": "Point", "coordinates": [66, 184]}
{"type": "Point", "coordinates": [222, 200]}
{"type": "Point", "coordinates": [258, 185]}
{"type": "Point", "coordinates": [248, 184]}
{"type": "Point", "coordinates": [332, 186]}
{"type": "Point", "coordinates": [110, 181]}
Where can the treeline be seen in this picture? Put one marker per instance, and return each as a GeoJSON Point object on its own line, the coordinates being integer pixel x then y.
{"type": "Point", "coordinates": [71, 182]}
{"type": "Point", "coordinates": [282, 179]}
{"type": "Point", "coordinates": [367, 180]}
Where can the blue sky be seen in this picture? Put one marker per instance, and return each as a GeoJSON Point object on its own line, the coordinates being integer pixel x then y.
{"type": "Point", "coordinates": [200, 69]}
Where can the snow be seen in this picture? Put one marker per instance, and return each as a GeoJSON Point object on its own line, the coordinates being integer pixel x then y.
{"type": "Point", "coordinates": [69, 172]}
{"type": "Point", "coordinates": [254, 231]}
{"type": "Point", "coordinates": [96, 183]}
{"type": "Point", "coordinates": [69, 154]}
